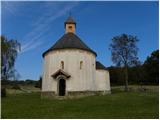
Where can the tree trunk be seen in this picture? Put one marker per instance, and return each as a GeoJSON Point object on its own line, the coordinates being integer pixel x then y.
{"type": "Point", "coordinates": [126, 78]}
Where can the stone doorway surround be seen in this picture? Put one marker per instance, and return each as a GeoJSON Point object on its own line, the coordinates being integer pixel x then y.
{"type": "Point", "coordinates": [60, 75]}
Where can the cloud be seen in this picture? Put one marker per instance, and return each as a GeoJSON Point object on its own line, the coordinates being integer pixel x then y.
{"type": "Point", "coordinates": [10, 8]}
{"type": "Point", "coordinates": [29, 47]}
{"type": "Point", "coordinates": [42, 25]}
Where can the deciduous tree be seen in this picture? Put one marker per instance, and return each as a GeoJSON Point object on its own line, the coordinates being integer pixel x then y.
{"type": "Point", "coordinates": [9, 52]}
{"type": "Point", "coordinates": [124, 52]}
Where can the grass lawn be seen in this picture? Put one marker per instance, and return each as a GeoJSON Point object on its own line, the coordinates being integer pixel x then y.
{"type": "Point", "coordinates": [115, 105]}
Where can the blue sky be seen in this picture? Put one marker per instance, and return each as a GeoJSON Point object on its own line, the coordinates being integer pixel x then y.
{"type": "Point", "coordinates": [38, 25]}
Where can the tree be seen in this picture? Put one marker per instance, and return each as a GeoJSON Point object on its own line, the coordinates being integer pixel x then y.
{"type": "Point", "coordinates": [3, 92]}
{"type": "Point", "coordinates": [124, 52]}
{"type": "Point", "coordinates": [9, 52]}
{"type": "Point", "coordinates": [136, 75]}
{"type": "Point", "coordinates": [151, 67]}
{"type": "Point", "coordinates": [39, 83]}
{"type": "Point", "coordinates": [116, 76]}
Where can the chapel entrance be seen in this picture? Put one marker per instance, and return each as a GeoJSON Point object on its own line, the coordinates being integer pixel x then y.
{"type": "Point", "coordinates": [62, 87]}
{"type": "Point", "coordinates": [61, 78]}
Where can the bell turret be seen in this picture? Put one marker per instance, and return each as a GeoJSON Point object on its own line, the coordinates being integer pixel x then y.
{"type": "Point", "coordinates": [70, 25]}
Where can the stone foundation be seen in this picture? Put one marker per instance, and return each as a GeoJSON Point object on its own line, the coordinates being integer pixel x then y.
{"type": "Point", "coordinates": [48, 94]}
{"type": "Point", "coordinates": [73, 94]}
{"type": "Point", "coordinates": [87, 93]}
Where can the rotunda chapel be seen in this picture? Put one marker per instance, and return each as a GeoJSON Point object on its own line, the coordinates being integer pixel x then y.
{"type": "Point", "coordinates": [70, 67]}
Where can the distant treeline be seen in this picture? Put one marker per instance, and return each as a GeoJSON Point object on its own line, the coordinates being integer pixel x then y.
{"type": "Point", "coordinates": [143, 74]}
{"type": "Point", "coordinates": [36, 83]}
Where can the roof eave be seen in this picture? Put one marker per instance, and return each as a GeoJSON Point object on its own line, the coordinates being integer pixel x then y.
{"type": "Point", "coordinates": [67, 48]}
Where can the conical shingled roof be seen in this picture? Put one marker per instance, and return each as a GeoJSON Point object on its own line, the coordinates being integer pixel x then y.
{"type": "Point", "coordinates": [100, 66]}
{"type": "Point", "coordinates": [67, 41]}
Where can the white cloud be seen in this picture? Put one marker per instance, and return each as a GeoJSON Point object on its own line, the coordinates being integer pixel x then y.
{"type": "Point", "coordinates": [42, 26]}
{"type": "Point", "coordinates": [29, 47]}
{"type": "Point", "coordinates": [10, 8]}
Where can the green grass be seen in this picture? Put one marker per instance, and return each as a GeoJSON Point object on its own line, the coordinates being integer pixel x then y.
{"type": "Point", "coordinates": [115, 105]}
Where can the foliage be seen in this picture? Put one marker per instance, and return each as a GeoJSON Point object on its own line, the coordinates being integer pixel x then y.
{"type": "Point", "coordinates": [124, 50]}
{"type": "Point", "coordinates": [9, 52]}
{"type": "Point", "coordinates": [19, 82]}
{"type": "Point", "coordinates": [39, 83]}
{"type": "Point", "coordinates": [116, 75]}
{"type": "Point", "coordinates": [124, 53]}
{"type": "Point", "coordinates": [3, 92]}
{"type": "Point", "coordinates": [116, 105]}
{"type": "Point", "coordinates": [30, 82]}
{"type": "Point", "coordinates": [146, 73]}
{"type": "Point", "coordinates": [136, 74]}
{"type": "Point", "coordinates": [151, 67]}
{"type": "Point", "coordinates": [16, 87]}
{"type": "Point", "coordinates": [11, 82]}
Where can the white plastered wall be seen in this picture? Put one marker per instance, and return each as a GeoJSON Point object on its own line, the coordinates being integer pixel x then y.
{"type": "Point", "coordinates": [80, 80]}
{"type": "Point", "coordinates": [102, 80]}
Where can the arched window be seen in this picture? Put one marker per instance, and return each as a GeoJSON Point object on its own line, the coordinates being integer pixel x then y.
{"type": "Point", "coordinates": [62, 65]}
{"type": "Point", "coordinates": [81, 63]}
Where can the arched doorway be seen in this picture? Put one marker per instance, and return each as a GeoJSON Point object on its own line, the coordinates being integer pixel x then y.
{"type": "Point", "coordinates": [62, 87]}
{"type": "Point", "coordinates": [61, 78]}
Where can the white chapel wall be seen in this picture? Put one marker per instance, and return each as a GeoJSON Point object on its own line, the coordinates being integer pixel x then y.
{"type": "Point", "coordinates": [81, 79]}
{"type": "Point", "coordinates": [102, 80]}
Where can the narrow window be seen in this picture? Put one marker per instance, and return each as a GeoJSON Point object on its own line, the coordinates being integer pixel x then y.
{"type": "Point", "coordinates": [81, 63]}
{"type": "Point", "coordinates": [62, 64]}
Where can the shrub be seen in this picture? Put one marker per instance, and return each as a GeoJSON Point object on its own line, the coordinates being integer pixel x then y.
{"type": "Point", "coordinates": [3, 92]}
{"type": "Point", "coordinates": [16, 87]}
{"type": "Point", "coordinates": [39, 83]}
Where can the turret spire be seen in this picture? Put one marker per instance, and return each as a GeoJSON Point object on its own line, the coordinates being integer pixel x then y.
{"type": "Point", "coordinates": [70, 25]}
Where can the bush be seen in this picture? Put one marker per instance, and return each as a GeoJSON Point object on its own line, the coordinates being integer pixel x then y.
{"type": "Point", "coordinates": [16, 87]}
{"type": "Point", "coordinates": [39, 83]}
{"type": "Point", "coordinates": [3, 92]}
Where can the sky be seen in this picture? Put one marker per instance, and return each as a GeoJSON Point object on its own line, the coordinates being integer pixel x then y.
{"type": "Point", "coordinates": [38, 25]}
